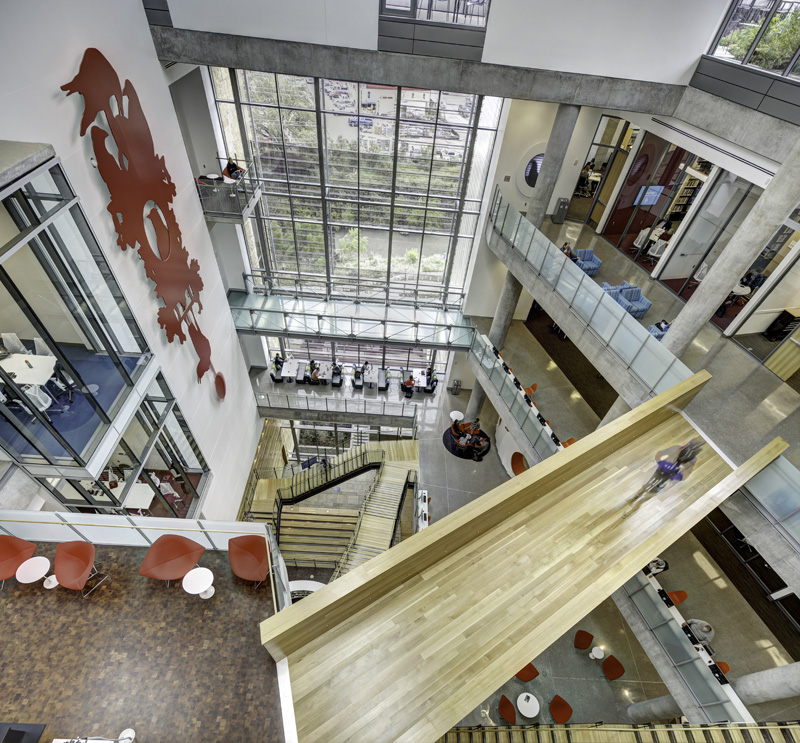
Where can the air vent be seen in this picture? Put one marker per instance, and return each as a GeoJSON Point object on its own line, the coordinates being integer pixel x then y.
{"type": "Point", "coordinates": [717, 148]}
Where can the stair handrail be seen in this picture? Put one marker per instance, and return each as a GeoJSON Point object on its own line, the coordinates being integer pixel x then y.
{"type": "Point", "coordinates": [362, 458]}
{"type": "Point", "coordinates": [412, 481]}
{"type": "Point", "coordinates": [337, 571]}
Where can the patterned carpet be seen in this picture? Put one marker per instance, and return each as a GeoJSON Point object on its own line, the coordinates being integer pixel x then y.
{"type": "Point", "coordinates": [139, 654]}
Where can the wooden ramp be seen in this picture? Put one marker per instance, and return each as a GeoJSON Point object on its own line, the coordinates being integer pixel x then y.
{"type": "Point", "coordinates": [401, 648]}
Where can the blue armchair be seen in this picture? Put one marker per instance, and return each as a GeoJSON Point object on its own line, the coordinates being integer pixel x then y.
{"type": "Point", "coordinates": [640, 303]}
{"type": "Point", "coordinates": [588, 262]}
{"type": "Point", "coordinates": [654, 331]}
{"type": "Point", "coordinates": [616, 294]}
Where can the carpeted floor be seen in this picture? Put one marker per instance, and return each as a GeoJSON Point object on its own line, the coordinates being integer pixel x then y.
{"type": "Point", "coordinates": [139, 654]}
{"type": "Point", "coordinates": [598, 393]}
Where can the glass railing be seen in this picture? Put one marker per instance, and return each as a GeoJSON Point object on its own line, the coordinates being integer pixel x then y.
{"type": "Point", "coordinates": [530, 420]}
{"type": "Point", "coordinates": [646, 358]}
{"type": "Point", "coordinates": [472, 13]}
{"type": "Point", "coordinates": [338, 405]}
{"type": "Point", "coordinates": [716, 698]}
{"type": "Point", "coordinates": [776, 490]}
{"type": "Point", "coordinates": [227, 197]}
{"type": "Point", "coordinates": [421, 327]}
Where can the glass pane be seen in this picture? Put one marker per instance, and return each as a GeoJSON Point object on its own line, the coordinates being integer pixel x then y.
{"type": "Point", "coordinates": [651, 361]}
{"type": "Point", "coordinates": [741, 30]}
{"type": "Point", "coordinates": [781, 39]}
{"type": "Point", "coordinates": [777, 487]}
{"type": "Point", "coordinates": [606, 317]}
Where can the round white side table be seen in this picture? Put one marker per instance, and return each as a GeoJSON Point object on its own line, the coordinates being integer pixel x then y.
{"type": "Point", "coordinates": [597, 654]}
{"type": "Point", "coordinates": [456, 415]}
{"type": "Point", "coordinates": [33, 569]}
{"type": "Point", "coordinates": [50, 581]}
{"type": "Point", "coordinates": [528, 705]}
{"type": "Point", "coordinates": [199, 582]}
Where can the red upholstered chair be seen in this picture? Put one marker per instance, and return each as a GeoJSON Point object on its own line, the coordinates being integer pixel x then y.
{"type": "Point", "coordinates": [583, 640]}
{"type": "Point", "coordinates": [13, 552]}
{"type": "Point", "coordinates": [612, 668]}
{"type": "Point", "coordinates": [724, 667]}
{"type": "Point", "coordinates": [248, 557]}
{"type": "Point", "coordinates": [507, 711]}
{"type": "Point", "coordinates": [569, 442]}
{"type": "Point", "coordinates": [170, 557]}
{"type": "Point", "coordinates": [74, 565]}
{"type": "Point", "coordinates": [530, 390]}
{"type": "Point", "coordinates": [560, 711]}
{"type": "Point", "coordinates": [677, 597]}
{"type": "Point", "coordinates": [529, 673]}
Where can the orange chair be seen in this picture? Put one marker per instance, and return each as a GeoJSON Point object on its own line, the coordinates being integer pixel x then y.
{"type": "Point", "coordinates": [724, 667]}
{"type": "Point", "coordinates": [583, 640]}
{"type": "Point", "coordinates": [569, 442]}
{"type": "Point", "coordinates": [560, 710]}
{"type": "Point", "coordinates": [612, 668]}
{"type": "Point", "coordinates": [507, 711]}
{"type": "Point", "coordinates": [13, 552]}
{"type": "Point", "coordinates": [74, 566]}
{"type": "Point", "coordinates": [530, 390]}
{"type": "Point", "coordinates": [529, 673]}
{"type": "Point", "coordinates": [248, 558]}
{"type": "Point", "coordinates": [677, 597]}
{"type": "Point", "coordinates": [170, 557]}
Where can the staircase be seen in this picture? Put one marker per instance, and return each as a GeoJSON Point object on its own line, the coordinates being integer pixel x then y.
{"type": "Point", "coordinates": [316, 536]}
{"type": "Point", "coordinates": [378, 514]}
{"type": "Point", "coordinates": [761, 732]}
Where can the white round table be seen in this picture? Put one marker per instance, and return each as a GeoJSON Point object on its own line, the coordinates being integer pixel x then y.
{"type": "Point", "coordinates": [741, 291]}
{"type": "Point", "coordinates": [305, 585]}
{"type": "Point", "coordinates": [199, 581]}
{"type": "Point", "coordinates": [456, 415]}
{"type": "Point", "coordinates": [33, 569]}
{"type": "Point", "coordinates": [528, 705]}
{"type": "Point", "coordinates": [214, 177]}
{"type": "Point", "coordinates": [597, 654]}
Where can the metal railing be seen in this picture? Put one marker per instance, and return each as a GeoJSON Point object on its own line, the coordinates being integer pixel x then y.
{"type": "Point", "coordinates": [644, 357]}
{"type": "Point", "coordinates": [318, 477]}
{"type": "Point", "coordinates": [221, 199]}
{"type": "Point", "coordinates": [281, 321]}
{"type": "Point", "coordinates": [330, 404]}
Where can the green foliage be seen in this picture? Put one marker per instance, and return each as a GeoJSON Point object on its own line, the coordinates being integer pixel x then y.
{"type": "Point", "coordinates": [775, 49]}
{"type": "Point", "coordinates": [411, 257]}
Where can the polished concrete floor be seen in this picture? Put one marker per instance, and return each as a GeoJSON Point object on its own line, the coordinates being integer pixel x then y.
{"type": "Point", "coordinates": [745, 405]}
{"type": "Point", "coordinates": [137, 653]}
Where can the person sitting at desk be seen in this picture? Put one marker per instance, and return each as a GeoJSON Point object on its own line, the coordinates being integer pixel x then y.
{"type": "Point", "coordinates": [409, 385]}
{"type": "Point", "coordinates": [336, 369]}
{"type": "Point", "coordinates": [315, 374]}
{"type": "Point", "coordinates": [278, 361]}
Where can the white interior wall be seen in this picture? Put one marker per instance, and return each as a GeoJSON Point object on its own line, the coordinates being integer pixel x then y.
{"type": "Point", "coordinates": [189, 98]}
{"type": "Point", "coordinates": [350, 23]}
{"type": "Point", "coordinates": [35, 109]}
{"type": "Point", "coordinates": [525, 134]}
{"type": "Point", "coordinates": [617, 38]}
{"type": "Point", "coordinates": [225, 239]}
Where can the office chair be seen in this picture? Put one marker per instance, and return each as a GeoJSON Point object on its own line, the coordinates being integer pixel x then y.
{"type": "Point", "coordinates": [13, 344]}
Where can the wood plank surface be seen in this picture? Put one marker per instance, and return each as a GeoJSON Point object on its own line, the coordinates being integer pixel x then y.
{"type": "Point", "coordinates": [409, 659]}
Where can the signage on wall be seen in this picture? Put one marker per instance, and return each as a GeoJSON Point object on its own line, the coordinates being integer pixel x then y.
{"type": "Point", "coordinates": [141, 191]}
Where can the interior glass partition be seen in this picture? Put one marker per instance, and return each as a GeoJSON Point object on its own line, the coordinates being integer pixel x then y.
{"type": "Point", "coordinates": [472, 13]}
{"type": "Point", "coordinates": [72, 351]}
{"type": "Point", "coordinates": [368, 191]}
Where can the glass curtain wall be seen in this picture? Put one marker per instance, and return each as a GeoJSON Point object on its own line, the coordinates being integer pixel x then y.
{"type": "Point", "coordinates": [369, 191]}
{"type": "Point", "coordinates": [472, 13]}
{"type": "Point", "coordinates": [604, 162]}
{"type": "Point", "coordinates": [764, 34]}
{"type": "Point", "coordinates": [72, 350]}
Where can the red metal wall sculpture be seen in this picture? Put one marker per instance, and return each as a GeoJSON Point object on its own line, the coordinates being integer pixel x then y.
{"type": "Point", "coordinates": [141, 200]}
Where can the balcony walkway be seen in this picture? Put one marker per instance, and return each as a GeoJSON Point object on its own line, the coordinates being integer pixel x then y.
{"type": "Point", "coordinates": [365, 322]}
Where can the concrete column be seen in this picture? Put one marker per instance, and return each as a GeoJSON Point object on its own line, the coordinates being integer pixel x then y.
{"type": "Point", "coordinates": [554, 154]}
{"type": "Point", "coordinates": [776, 203]}
{"type": "Point", "coordinates": [557, 144]}
{"type": "Point", "coordinates": [476, 400]}
{"type": "Point", "coordinates": [620, 407]}
{"type": "Point", "coordinates": [782, 682]}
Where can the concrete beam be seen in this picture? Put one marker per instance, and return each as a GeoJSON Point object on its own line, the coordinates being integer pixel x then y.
{"type": "Point", "coordinates": [753, 130]}
{"type": "Point", "coordinates": [17, 159]}
{"type": "Point", "coordinates": [389, 68]}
